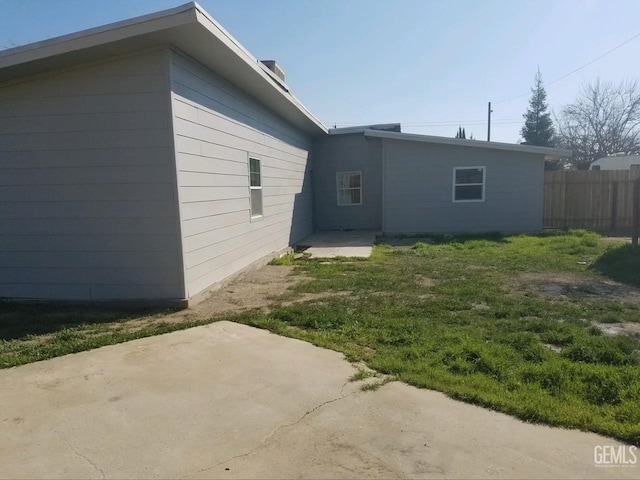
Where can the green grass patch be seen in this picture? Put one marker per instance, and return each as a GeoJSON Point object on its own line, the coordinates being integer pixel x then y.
{"type": "Point", "coordinates": [459, 316]}
{"type": "Point", "coordinates": [29, 333]}
{"type": "Point", "coordinates": [286, 259]}
{"type": "Point", "coordinates": [621, 263]}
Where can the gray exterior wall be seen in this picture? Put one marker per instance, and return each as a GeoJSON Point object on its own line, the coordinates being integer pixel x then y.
{"type": "Point", "coordinates": [346, 153]}
{"type": "Point", "coordinates": [87, 184]}
{"type": "Point", "coordinates": [216, 127]}
{"type": "Point", "coordinates": [418, 189]}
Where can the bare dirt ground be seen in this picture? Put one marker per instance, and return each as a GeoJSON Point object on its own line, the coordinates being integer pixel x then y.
{"type": "Point", "coordinates": [257, 289]}
{"type": "Point", "coordinates": [558, 285]}
{"type": "Point", "coordinates": [561, 286]}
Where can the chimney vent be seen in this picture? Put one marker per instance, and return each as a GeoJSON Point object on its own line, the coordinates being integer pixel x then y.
{"type": "Point", "coordinates": [274, 67]}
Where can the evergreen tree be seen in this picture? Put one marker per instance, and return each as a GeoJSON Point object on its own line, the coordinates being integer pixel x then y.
{"type": "Point", "coordinates": [464, 134]}
{"type": "Point", "coordinates": [461, 133]}
{"type": "Point", "coordinates": [538, 126]}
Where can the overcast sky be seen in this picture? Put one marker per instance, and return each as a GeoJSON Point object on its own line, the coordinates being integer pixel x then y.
{"type": "Point", "coordinates": [431, 65]}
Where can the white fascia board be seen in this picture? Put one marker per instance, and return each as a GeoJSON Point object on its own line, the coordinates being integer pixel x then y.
{"type": "Point", "coordinates": [216, 29]}
{"type": "Point", "coordinates": [99, 35]}
{"type": "Point", "coordinates": [549, 153]}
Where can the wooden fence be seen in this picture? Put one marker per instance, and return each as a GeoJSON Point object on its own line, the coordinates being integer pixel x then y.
{"type": "Point", "coordinates": [599, 200]}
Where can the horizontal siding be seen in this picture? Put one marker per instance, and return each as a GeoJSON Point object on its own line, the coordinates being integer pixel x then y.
{"type": "Point", "coordinates": [88, 206]}
{"type": "Point", "coordinates": [79, 175]}
{"type": "Point", "coordinates": [38, 210]}
{"type": "Point", "coordinates": [348, 153]}
{"type": "Point", "coordinates": [419, 187]}
{"type": "Point", "coordinates": [216, 127]}
{"type": "Point", "coordinates": [99, 158]}
{"type": "Point", "coordinates": [139, 242]}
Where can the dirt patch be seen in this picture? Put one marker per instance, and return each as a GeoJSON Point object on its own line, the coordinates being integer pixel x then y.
{"type": "Point", "coordinates": [312, 297]}
{"type": "Point", "coordinates": [614, 329]}
{"type": "Point", "coordinates": [424, 281]}
{"type": "Point", "coordinates": [480, 306]}
{"type": "Point", "coordinates": [553, 348]}
{"type": "Point", "coordinates": [257, 289]}
{"type": "Point", "coordinates": [616, 239]}
{"type": "Point", "coordinates": [557, 285]}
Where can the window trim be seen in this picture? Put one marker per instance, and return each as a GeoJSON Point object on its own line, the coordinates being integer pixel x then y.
{"type": "Point", "coordinates": [483, 184]}
{"type": "Point", "coordinates": [359, 172]}
{"type": "Point", "coordinates": [251, 188]}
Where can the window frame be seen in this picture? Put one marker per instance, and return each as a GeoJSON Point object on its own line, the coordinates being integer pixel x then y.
{"type": "Point", "coordinates": [359, 172]}
{"type": "Point", "coordinates": [252, 188]}
{"type": "Point", "coordinates": [483, 184]}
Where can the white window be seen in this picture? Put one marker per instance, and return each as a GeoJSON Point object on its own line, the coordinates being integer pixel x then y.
{"type": "Point", "coordinates": [255, 187]}
{"type": "Point", "coordinates": [468, 184]}
{"type": "Point", "coordinates": [349, 188]}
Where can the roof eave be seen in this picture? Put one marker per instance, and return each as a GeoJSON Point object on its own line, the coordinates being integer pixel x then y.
{"type": "Point", "coordinates": [549, 153]}
{"type": "Point", "coordinates": [188, 28]}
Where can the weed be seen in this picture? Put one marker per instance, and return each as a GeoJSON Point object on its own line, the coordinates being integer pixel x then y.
{"type": "Point", "coordinates": [360, 375]}
{"type": "Point", "coordinates": [286, 259]}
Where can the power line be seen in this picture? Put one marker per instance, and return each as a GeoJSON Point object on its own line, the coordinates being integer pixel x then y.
{"type": "Point", "coordinates": [574, 71]}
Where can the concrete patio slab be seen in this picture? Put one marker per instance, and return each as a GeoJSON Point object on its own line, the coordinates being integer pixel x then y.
{"type": "Point", "coordinates": [331, 244]}
{"type": "Point", "coordinates": [231, 401]}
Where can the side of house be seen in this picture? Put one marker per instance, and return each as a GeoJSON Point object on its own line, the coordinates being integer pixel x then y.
{"type": "Point", "coordinates": [403, 184]}
{"type": "Point", "coordinates": [446, 189]}
{"type": "Point", "coordinates": [244, 175]}
{"type": "Point", "coordinates": [87, 183]}
{"type": "Point", "coordinates": [154, 158]}
{"type": "Point", "coordinates": [348, 182]}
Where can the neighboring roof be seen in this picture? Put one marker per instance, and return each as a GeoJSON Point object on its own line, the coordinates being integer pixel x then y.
{"type": "Point", "coordinates": [617, 162]}
{"type": "Point", "coordinates": [389, 127]}
{"type": "Point", "coordinates": [189, 28]}
{"type": "Point", "coordinates": [549, 153]}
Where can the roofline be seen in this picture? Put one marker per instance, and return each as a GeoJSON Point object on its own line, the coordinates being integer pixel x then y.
{"type": "Point", "coordinates": [257, 65]}
{"type": "Point", "coordinates": [362, 128]}
{"type": "Point", "coordinates": [549, 153]}
{"type": "Point", "coordinates": [184, 15]}
{"type": "Point", "coordinates": [45, 48]}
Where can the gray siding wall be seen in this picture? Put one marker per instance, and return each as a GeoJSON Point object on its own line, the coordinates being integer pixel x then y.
{"type": "Point", "coordinates": [216, 127]}
{"type": "Point", "coordinates": [87, 184]}
{"type": "Point", "coordinates": [418, 183]}
{"type": "Point", "coordinates": [346, 153]}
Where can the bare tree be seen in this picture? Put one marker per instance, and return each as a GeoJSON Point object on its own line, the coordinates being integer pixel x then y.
{"type": "Point", "coordinates": [605, 119]}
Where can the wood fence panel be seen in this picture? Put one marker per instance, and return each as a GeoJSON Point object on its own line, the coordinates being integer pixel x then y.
{"type": "Point", "coordinates": [599, 200]}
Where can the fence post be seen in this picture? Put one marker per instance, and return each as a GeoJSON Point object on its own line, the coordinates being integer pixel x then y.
{"type": "Point", "coordinates": [636, 212]}
{"type": "Point", "coordinates": [614, 206]}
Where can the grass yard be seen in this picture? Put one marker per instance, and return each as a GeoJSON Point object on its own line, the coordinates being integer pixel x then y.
{"type": "Point", "coordinates": [546, 328]}
{"type": "Point", "coordinates": [29, 333]}
{"type": "Point", "coordinates": [512, 323]}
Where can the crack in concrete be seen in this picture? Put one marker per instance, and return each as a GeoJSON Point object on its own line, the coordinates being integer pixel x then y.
{"type": "Point", "coordinates": [275, 431]}
{"type": "Point", "coordinates": [86, 459]}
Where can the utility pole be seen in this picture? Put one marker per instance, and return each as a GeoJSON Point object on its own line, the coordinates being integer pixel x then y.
{"type": "Point", "coordinates": [489, 122]}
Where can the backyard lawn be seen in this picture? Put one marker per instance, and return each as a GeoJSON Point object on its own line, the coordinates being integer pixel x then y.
{"type": "Point", "coordinates": [546, 328]}
{"type": "Point", "coordinates": [521, 324]}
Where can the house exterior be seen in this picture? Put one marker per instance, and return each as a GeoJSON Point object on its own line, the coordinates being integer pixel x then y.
{"type": "Point", "coordinates": [154, 158]}
{"type": "Point", "coordinates": [418, 183]}
{"type": "Point", "coordinates": [617, 162]}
